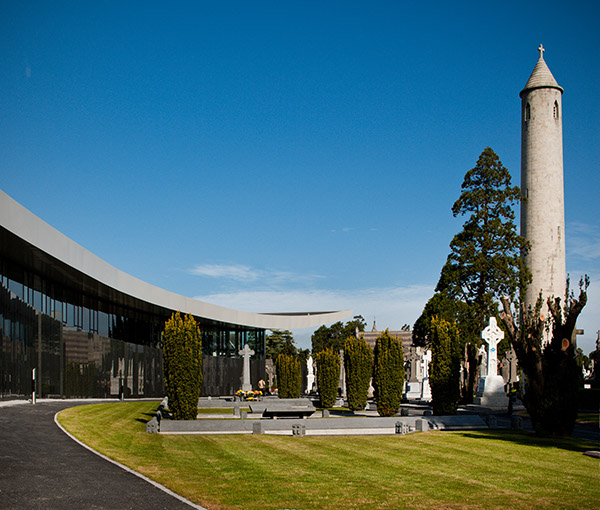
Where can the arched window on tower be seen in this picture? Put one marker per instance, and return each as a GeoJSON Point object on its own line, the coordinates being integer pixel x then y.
{"type": "Point", "coordinates": [555, 112]}
{"type": "Point", "coordinates": [527, 112]}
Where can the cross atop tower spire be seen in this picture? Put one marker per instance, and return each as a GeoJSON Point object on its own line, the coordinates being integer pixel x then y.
{"type": "Point", "coordinates": [541, 50]}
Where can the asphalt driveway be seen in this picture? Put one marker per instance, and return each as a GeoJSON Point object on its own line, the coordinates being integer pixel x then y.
{"type": "Point", "coordinates": [42, 468]}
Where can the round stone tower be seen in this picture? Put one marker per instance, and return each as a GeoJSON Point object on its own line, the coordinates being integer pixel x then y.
{"type": "Point", "coordinates": [543, 209]}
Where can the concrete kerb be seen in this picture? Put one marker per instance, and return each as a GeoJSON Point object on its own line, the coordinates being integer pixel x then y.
{"type": "Point", "coordinates": [323, 426]}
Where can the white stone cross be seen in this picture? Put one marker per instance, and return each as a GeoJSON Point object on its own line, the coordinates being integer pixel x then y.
{"type": "Point", "coordinates": [246, 352]}
{"type": "Point", "coordinates": [425, 364]}
{"type": "Point", "coordinates": [492, 335]}
{"type": "Point", "coordinates": [541, 50]}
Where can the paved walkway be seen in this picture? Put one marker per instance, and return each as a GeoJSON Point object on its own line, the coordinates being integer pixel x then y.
{"type": "Point", "coordinates": [42, 468]}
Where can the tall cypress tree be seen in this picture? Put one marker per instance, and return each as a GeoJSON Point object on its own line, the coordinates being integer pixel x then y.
{"type": "Point", "coordinates": [182, 364]}
{"type": "Point", "coordinates": [289, 376]}
{"type": "Point", "coordinates": [358, 363]}
{"type": "Point", "coordinates": [444, 373]}
{"type": "Point", "coordinates": [388, 374]}
{"type": "Point", "coordinates": [328, 376]}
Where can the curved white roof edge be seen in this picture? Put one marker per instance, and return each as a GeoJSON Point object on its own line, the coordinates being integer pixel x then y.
{"type": "Point", "coordinates": [26, 225]}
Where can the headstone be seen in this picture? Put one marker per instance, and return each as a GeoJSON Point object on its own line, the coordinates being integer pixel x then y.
{"type": "Point", "coordinates": [516, 422]}
{"type": "Point", "coordinates": [325, 413]}
{"type": "Point", "coordinates": [421, 425]}
{"type": "Point", "coordinates": [490, 390]}
{"type": "Point", "coordinates": [257, 428]}
{"type": "Point", "coordinates": [270, 370]}
{"type": "Point", "coordinates": [513, 372]}
{"type": "Point", "coordinates": [246, 352]}
{"type": "Point", "coordinates": [483, 361]}
{"type": "Point", "coordinates": [310, 376]}
{"type": "Point", "coordinates": [371, 391]}
{"type": "Point", "coordinates": [425, 388]}
{"type": "Point", "coordinates": [413, 385]}
{"type": "Point", "coordinates": [342, 383]}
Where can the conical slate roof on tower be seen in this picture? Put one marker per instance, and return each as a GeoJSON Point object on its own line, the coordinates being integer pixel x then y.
{"type": "Point", "coordinates": [541, 77]}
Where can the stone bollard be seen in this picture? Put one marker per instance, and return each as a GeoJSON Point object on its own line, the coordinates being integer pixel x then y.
{"type": "Point", "coordinates": [421, 425]}
{"type": "Point", "coordinates": [243, 414]}
{"type": "Point", "coordinates": [236, 410]}
{"type": "Point", "coordinates": [298, 430]}
{"type": "Point", "coordinates": [492, 421]}
{"type": "Point", "coordinates": [258, 428]}
{"type": "Point", "coordinates": [325, 413]}
{"type": "Point", "coordinates": [516, 422]}
{"type": "Point", "coordinates": [152, 426]}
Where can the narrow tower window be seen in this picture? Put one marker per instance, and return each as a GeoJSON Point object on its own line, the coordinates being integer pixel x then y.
{"type": "Point", "coordinates": [527, 112]}
{"type": "Point", "coordinates": [555, 109]}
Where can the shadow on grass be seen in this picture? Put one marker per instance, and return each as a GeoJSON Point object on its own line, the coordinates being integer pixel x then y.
{"type": "Point", "coordinates": [142, 420]}
{"type": "Point", "coordinates": [531, 439]}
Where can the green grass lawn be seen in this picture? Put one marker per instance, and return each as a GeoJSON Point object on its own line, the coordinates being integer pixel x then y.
{"type": "Point", "coordinates": [469, 469]}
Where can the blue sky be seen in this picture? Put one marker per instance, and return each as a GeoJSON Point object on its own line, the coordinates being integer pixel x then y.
{"type": "Point", "coordinates": [287, 156]}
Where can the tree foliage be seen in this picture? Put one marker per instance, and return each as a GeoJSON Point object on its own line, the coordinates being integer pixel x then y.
{"type": "Point", "coordinates": [388, 374]}
{"type": "Point", "coordinates": [280, 342]}
{"type": "Point", "coordinates": [358, 364]}
{"type": "Point", "coordinates": [444, 370]}
{"type": "Point", "coordinates": [182, 364]}
{"type": "Point", "coordinates": [289, 376]}
{"type": "Point", "coordinates": [328, 376]}
{"type": "Point", "coordinates": [439, 305]}
{"type": "Point", "coordinates": [485, 260]}
{"type": "Point", "coordinates": [546, 351]}
{"type": "Point", "coordinates": [332, 337]}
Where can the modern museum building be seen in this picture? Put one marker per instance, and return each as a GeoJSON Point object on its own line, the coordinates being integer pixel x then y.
{"type": "Point", "coordinates": [72, 325]}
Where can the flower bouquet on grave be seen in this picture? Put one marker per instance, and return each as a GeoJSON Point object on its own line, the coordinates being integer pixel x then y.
{"type": "Point", "coordinates": [248, 395]}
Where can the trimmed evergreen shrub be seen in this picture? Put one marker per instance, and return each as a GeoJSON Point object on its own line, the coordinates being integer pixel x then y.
{"type": "Point", "coordinates": [388, 374]}
{"type": "Point", "coordinates": [358, 363]}
{"type": "Point", "coordinates": [182, 364]}
{"type": "Point", "coordinates": [444, 370]}
{"type": "Point", "coordinates": [289, 376]}
{"type": "Point", "coordinates": [328, 376]}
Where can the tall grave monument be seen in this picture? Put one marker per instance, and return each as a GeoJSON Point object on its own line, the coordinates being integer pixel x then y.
{"type": "Point", "coordinates": [490, 390]}
{"type": "Point", "coordinates": [246, 352]}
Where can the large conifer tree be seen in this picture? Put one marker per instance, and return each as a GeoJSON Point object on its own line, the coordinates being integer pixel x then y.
{"type": "Point", "coordinates": [485, 261]}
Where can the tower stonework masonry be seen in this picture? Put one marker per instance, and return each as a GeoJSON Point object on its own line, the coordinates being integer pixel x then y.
{"type": "Point", "coordinates": [543, 209]}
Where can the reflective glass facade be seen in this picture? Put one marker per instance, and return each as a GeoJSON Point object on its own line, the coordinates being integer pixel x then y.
{"type": "Point", "coordinates": [86, 339]}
